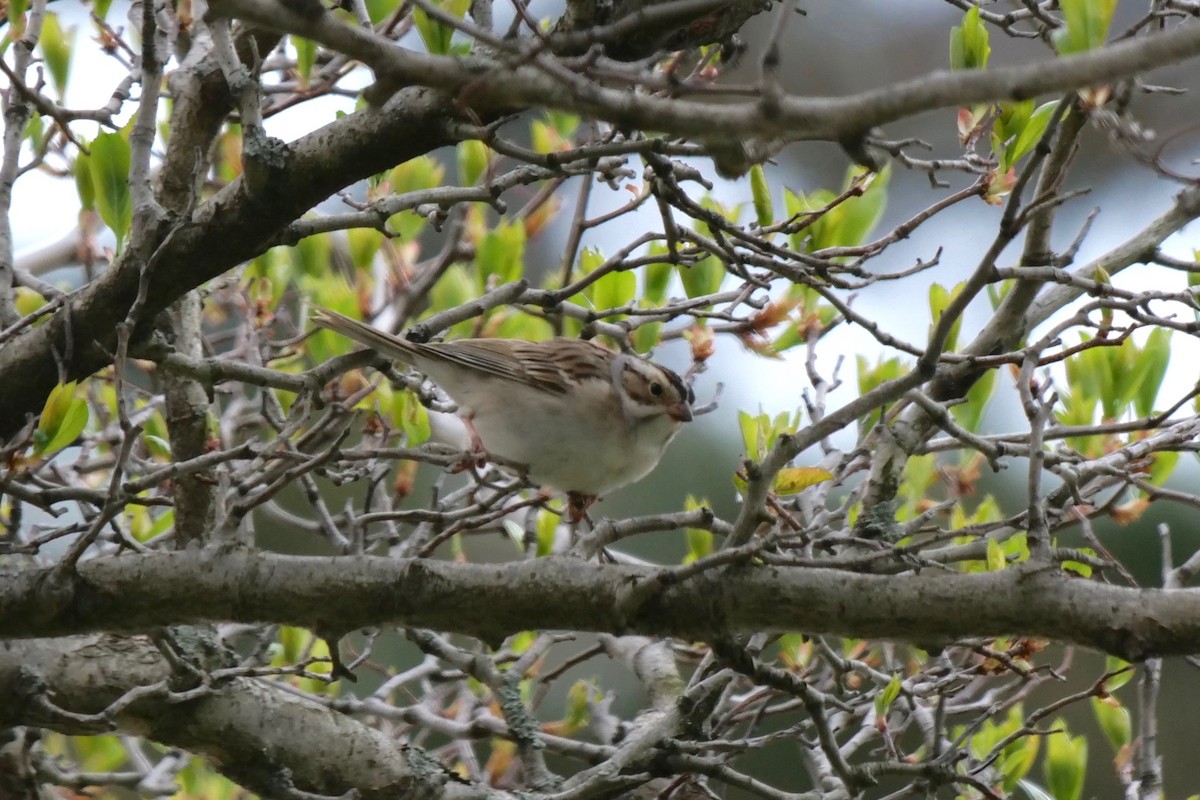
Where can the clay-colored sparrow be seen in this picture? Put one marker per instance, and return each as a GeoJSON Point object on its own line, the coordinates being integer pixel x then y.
{"type": "Point", "coordinates": [581, 418]}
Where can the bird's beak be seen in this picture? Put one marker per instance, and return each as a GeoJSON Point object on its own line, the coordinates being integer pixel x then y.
{"type": "Point", "coordinates": [680, 412]}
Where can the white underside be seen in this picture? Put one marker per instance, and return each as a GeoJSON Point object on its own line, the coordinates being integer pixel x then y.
{"type": "Point", "coordinates": [582, 445]}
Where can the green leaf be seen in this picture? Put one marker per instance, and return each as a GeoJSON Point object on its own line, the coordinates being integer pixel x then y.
{"type": "Point", "coordinates": [705, 276]}
{"type": "Point", "coordinates": [615, 289]}
{"type": "Point", "coordinates": [752, 445]}
{"type": "Point", "coordinates": [869, 377]}
{"type": "Point", "coordinates": [28, 301]}
{"type": "Point", "coordinates": [884, 700]}
{"type": "Point", "coordinates": [1162, 465]}
{"type": "Point", "coordinates": [1028, 136]}
{"type": "Point", "coordinates": [547, 530]}
{"type": "Point", "coordinates": [157, 446]}
{"type": "Point", "coordinates": [564, 122]}
{"type": "Point", "coordinates": [1090, 375]}
{"type": "Point", "coordinates": [340, 297]}
{"type": "Point", "coordinates": [1066, 763]}
{"type": "Point", "coordinates": [699, 540]}
{"type": "Point", "coordinates": [1086, 25]}
{"type": "Point", "coordinates": [514, 325]}
{"type": "Point", "coordinates": [363, 244]}
{"type": "Point", "coordinates": [759, 434]}
{"type": "Point", "coordinates": [793, 334]}
{"type": "Point", "coordinates": [1016, 761]}
{"type": "Point", "coordinates": [545, 139]}
{"type": "Point", "coordinates": [578, 711]}
{"type": "Point", "coordinates": [64, 416]}
{"type": "Point", "coordinates": [846, 224]}
{"type": "Point", "coordinates": [99, 753]}
{"type": "Point", "coordinates": [165, 521]}
{"type": "Point", "coordinates": [998, 291]}
{"type": "Point", "coordinates": [995, 556]}
{"type": "Point", "coordinates": [702, 278]}
{"type": "Point", "coordinates": [473, 159]}
{"type": "Point", "coordinates": [455, 288]}
{"type": "Point", "coordinates": [699, 544]}
{"type": "Point", "coordinates": [612, 290]}
{"type": "Point", "coordinates": [414, 420]}
{"type": "Point", "coordinates": [1120, 666]}
{"type": "Point", "coordinates": [306, 57]}
{"type": "Point", "coordinates": [970, 413]}
{"type": "Point", "coordinates": [501, 253]}
{"type": "Point", "coordinates": [414, 175]}
{"type": "Point", "coordinates": [34, 130]}
{"type": "Point", "coordinates": [939, 301]}
{"type": "Point", "coordinates": [310, 256]}
{"type": "Point", "coordinates": [1078, 567]}
{"type": "Point", "coordinates": [378, 10]}
{"type": "Point", "coordinates": [805, 211]}
{"type": "Point", "coordinates": [657, 276]}
{"type": "Point", "coordinates": [1155, 356]}
{"type": "Point", "coordinates": [859, 215]}
{"type": "Point", "coordinates": [1113, 719]}
{"type": "Point", "coordinates": [16, 17]}
{"type": "Point", "coordinates": [56, 50]}
{"type": "Point", "coordinates": [436, 36]}
{"type": "Point", "coordinates": [764, 210]}
{"type": "Point", "coordinates": [646, 337]}
{"type": "Point", "coordinates": [109, 167]}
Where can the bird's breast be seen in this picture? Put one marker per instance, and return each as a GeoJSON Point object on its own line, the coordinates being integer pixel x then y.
{"type": "Point", "coordinates": [579, 444]}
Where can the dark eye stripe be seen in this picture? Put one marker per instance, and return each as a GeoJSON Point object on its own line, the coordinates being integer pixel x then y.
{"type": "Point", "coordinates": [643, 387]}
{"type": "Point", "coordinates": [683, 389]}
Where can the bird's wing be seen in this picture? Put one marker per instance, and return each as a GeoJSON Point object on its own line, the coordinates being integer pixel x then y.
{"type": "Point", "coordinates": [552, 366]}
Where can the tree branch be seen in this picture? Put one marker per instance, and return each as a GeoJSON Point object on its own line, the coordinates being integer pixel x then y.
{"type": "Point", "coordinates": [260, 735]}
{"type": "Point", "coordinates": [138, 593]}
{"type": "Point", "coordinates": [497, 86]}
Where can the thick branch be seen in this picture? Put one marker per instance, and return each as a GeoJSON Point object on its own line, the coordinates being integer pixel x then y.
{"type": "Point", "coordinates": [496, 86]}
{"type": "Point", "coordinates": [138, 593]}
{"type": "Point", "coordinates": [261, 736]}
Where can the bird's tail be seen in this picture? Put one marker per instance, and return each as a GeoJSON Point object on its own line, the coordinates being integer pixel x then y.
{"type": "Point", "coordinates": [383, 343]}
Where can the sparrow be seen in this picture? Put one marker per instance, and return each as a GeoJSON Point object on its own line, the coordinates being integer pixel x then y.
{"type": "Point", "coordinates": [578, 417]}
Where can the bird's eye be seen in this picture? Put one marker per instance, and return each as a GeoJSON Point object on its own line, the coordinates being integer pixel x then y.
{"type": "Point", "coordinates": [656, 389]}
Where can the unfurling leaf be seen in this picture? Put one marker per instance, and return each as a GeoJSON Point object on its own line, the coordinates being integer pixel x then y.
{"type": "Point", "coordinates": [969, 48]}
{"type": "Point", "coordinates": [63, 418]}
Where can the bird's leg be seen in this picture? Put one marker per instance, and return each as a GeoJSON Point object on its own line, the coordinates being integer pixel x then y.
{"type": "Point", "coordinates": [477, 456]}
{"type": "Point", "coordinates": [577, 506]}
{"type": "Point", "coordinates": [476, 442]}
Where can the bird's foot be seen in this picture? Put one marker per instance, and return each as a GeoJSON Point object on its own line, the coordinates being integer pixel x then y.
{"type": "Point", "coordinates": [578, 505]}
{"type": "Point", "coordinates": [474, 458]}
{"type": "Point", "coordinates": [471, 460]}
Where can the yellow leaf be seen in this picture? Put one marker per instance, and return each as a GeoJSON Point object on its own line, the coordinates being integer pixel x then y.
{"type": "Point", "coordinates": [796, 479]}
